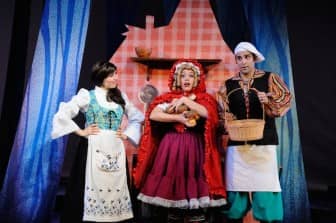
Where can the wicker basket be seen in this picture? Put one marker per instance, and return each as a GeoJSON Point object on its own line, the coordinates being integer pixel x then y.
{"type": "Point", "coordinates": [246, 129]}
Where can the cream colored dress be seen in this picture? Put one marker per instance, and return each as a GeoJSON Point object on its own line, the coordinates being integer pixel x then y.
{"type": "Point", "coordinates": [107, 197]}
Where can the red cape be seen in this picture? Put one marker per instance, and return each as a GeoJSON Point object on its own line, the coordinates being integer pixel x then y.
{"type": "Point", "coordinates": [149, 143]}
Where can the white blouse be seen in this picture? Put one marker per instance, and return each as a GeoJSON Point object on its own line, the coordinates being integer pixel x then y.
{"type": "Point", "coordinates": [63, 123]}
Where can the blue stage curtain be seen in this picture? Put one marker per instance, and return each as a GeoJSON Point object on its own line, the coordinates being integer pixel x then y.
{"type": "Point", "coordinates": [268, 25]}
{"type": "Point", "coordinates": [134, 12]}
{"type": "Point", "coordinates": [231, 20]}
{"type": "Point", "coordinates": [35, 163]}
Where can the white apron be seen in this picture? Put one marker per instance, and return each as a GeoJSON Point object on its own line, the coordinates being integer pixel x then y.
{"type": "Point", "coordinates": [107, 197]}
{"type": "Point", "coordinates": [252, 168]}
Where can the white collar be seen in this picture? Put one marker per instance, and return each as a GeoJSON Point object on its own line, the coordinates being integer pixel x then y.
{"type": "Point", "coordinates": [100, 90]}
{"type": "Point", "coordinates": [101, 98]}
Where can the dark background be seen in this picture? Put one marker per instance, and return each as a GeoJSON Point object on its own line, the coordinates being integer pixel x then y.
{"type": "Point", "coordinates": [312, 35]}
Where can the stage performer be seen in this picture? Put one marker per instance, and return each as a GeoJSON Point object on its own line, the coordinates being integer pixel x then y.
{"type": "Point", "coordinates": [179, 166]}
{"type": "Point", "coordinates": [106, 193]}
{"type": "Point", "coordinates": [252, 178]}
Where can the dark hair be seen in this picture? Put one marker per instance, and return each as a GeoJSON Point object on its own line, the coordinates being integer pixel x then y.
{"type": "Point", "coordinates": [254, 57]}
{"type": "Point", "coordinates": [100, 71]}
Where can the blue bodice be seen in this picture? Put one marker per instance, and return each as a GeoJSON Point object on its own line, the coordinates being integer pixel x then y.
{"type": "Point", "coordinates": [105, 118]}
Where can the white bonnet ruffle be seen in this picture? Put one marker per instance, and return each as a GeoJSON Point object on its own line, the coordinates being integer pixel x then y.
{"type": "Point", "coordinates": [178, 71]}
{"type": "Point", "coordinates": [246, 46]}
{"type": "Point", "coordinates": [190, 65]}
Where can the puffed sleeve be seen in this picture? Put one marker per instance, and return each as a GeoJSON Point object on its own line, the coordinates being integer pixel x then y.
{"type": "Point", "coordinates": [135, 119]}
{"type": "Point", "coordinates": [62, 120]}
{"type": "Point", "coordinates": [280, 97]}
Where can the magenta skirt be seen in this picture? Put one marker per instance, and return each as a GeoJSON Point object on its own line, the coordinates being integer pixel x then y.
{"type": "Point", "coordinates": [177, 178]}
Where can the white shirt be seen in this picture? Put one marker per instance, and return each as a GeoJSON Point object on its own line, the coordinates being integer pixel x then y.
{"type": "Point", "coordinates": [63, 123]}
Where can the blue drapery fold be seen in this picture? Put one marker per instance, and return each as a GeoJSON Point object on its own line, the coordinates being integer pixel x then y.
{"type": "Point", "coordinates": [268, 25]}
{"type": "Point", "coordinates": [231, 20]}
{"type": "Point", "coordinates": [134, 12]}
{"type": "Point", "coordinates": [35, 163]}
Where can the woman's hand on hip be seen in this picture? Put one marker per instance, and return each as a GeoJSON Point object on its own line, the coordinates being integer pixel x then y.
{"type": "Point", "coordinates": [121, 135]}
{"type": "Point", "coordinates": [90, 130]}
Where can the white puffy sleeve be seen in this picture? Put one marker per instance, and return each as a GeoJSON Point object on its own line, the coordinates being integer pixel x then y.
{"type": "Point", "coordinates": [62, 120]}
{"type": "Point", "coordinates": [135, 119]}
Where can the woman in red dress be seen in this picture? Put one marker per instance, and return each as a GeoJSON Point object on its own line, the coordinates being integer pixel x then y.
{"type": "Point", "coordinates": [178, 161]}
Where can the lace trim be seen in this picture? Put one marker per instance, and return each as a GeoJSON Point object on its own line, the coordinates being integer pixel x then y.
{"type": "Point", "coordinates": [194, 203]}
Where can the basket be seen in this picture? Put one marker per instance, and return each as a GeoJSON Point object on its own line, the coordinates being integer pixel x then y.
{"type": "Point", "coordinates": [246, 129]}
